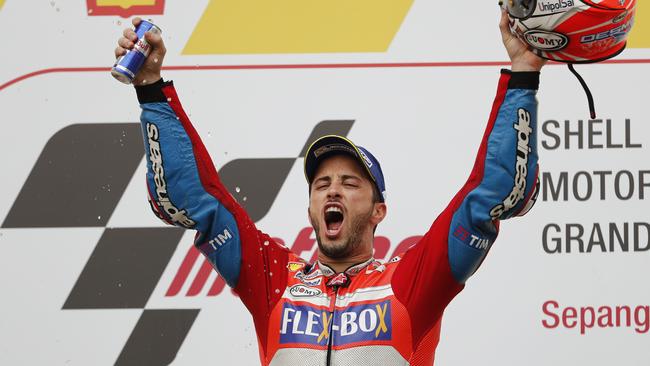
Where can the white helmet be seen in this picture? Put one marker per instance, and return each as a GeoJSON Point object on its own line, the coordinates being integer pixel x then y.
{"type": "Point", "coordinates": [573, 31]}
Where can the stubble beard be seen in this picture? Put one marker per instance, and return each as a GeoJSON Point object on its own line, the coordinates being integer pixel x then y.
{"type": "Point", "coordinates": [344, 249]}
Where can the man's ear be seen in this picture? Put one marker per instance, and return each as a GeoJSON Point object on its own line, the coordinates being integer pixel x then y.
{"type": "Point", "coordinates": [309, 217]}
{"type": "Point", "coordinates": [379, 212]}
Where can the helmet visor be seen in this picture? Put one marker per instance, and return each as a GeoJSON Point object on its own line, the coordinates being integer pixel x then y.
{"type": "Point", "coordinates": [521, 9]}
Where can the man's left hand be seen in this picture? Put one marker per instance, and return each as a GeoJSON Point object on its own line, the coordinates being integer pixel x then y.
{"type": "Point", "coordinates": [523, 59]}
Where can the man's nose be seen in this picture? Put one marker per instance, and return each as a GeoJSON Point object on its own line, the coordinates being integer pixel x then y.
{"type": "Point", "coordinates": [334, 190]}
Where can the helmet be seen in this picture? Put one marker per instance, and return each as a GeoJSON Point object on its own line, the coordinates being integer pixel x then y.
{"type": "Point", "coordinates": [573, 31]}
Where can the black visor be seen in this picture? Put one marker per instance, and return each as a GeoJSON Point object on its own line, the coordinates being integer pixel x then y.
{"type": "Point", "coordinates": [521, 9]}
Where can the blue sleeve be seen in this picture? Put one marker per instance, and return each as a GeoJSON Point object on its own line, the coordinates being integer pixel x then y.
{"type": "Point", "coordinates": [184, 189]}
{"type": "Point", "coordinates": [504, 181]}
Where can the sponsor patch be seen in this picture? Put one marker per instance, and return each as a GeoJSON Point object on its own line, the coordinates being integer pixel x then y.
{"type": "Point", "coordinates": [162, 199]}
{"type": "Point", "coordinates": [470, 239]}
{"type": "Point", "coordinates": [307, 325]}
{"type": "Point", "coordinates": [618, 33]}
{"type": "Point", "coordinates": [314, 282]}
{"type": "Point", "coordinates": [295, 266]}
{"type": "Point", "coordinates": [547, 41]}
{"type": "Point", "coordinates": [340, 279]}
{"type": "Point", "coordinates": [304, 291]}
{"type": "Point", "coordinates": [221, 238]}
{"type": "Point", "coordinates": [553, 6]}
{"type": "Point", "coordinates": [521, 165]}
{"type": "Point", "coordinates": [317, 274]}
{"type": "Point", "coordinates": [365, 159]}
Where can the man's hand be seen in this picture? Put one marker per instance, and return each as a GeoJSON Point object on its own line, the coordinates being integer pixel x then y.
{"type": "Point", "coordinates": [150, 71]}
{"type": "Point", "coordinates": [522, 58]}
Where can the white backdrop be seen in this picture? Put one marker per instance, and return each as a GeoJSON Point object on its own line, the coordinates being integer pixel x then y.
{"type": "Point", "coordinates": [423, 123]}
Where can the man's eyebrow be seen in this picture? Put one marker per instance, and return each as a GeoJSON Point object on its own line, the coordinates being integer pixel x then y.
{"type": "Point", "coordinates": [343, 177]}
{"type": "Point", "coordinates": [346, 176]}
{"type": "Point", "coordinates": [323, 178]}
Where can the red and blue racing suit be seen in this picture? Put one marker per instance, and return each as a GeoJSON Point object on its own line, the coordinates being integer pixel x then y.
{"type": "Point", "coordinates": [373, 313]}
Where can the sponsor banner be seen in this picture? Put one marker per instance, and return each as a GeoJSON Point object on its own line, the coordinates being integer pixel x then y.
{"type": "Point", "coordinates": [585, 318]}
{"type": "Point", "coordinates": [562, 254]}
{"type": "Point", "coordinates": [226, 34]}
{"type": "Point", "coordinates": [111, 217]}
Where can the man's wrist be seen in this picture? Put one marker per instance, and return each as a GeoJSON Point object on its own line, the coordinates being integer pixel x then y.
{"type": "Point", "coordinates": [152, 93]}
{"type": "Point", "coordinates": [522, 79]}
{"type": "Point", "coordinates": [525, 67]}
{"type": "Point", "coordinates": [142, 80]}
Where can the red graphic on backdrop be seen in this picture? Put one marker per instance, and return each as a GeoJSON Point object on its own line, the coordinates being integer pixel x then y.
{"type": "Point", "coordinates": [305, 243]}
{"type": "Point", "coordinates": [115, 7]}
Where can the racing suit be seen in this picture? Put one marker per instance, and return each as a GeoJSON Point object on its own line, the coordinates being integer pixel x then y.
{"type": "Point", "coordinates": [373, 313]}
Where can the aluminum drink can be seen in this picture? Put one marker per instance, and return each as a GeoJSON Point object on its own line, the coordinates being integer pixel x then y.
{"type": "Point", "coordinates": [128, 65]}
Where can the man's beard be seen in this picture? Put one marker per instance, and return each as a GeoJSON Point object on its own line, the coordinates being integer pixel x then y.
{"type": "Point", "coordinates": [343, 250]}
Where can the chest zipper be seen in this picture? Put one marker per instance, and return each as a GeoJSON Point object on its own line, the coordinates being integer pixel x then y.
{"type": "Point", "coordinates": [332, 309]}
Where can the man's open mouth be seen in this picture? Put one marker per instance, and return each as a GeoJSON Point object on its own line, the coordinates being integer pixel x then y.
{"type": "Point", "coordinates": [333, 220]}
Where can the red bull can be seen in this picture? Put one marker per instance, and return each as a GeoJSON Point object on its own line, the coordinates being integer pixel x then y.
{"type": "Point", "coordinates": [128, 65]}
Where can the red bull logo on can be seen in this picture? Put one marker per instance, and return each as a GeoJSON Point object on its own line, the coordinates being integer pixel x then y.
{"type": "Point", "coordinates": [125, 8]}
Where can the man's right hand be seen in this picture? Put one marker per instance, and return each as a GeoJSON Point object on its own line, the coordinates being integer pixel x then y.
{"type": "Point", "coordinates": [150, 70]}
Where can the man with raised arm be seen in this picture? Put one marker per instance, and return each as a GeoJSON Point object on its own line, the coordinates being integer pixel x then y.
{"type": "Point", "coordinates": [346, 308]}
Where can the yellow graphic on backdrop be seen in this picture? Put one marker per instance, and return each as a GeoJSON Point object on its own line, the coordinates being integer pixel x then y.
{"type": "Point", "coordinates": [124, 3]}
{"type": "Point", "coordinates": [297, 26]}
{"type": "Point", "coordinates": [640, 36]}
{"type": "Point", "coordinates": [2, 2]}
